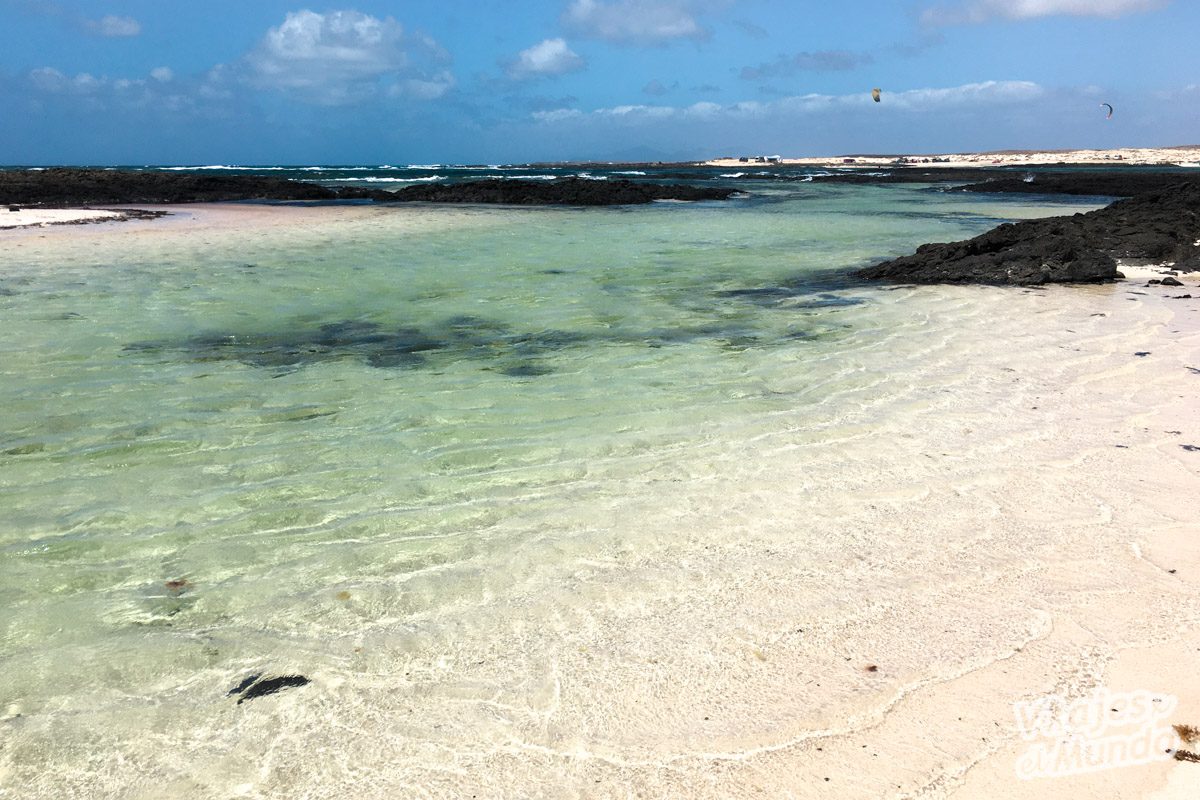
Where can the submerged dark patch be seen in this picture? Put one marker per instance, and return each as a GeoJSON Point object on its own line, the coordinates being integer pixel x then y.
{"type": "Point", "coordinates": [791, 297]}
{"type": "Point", "coordinates": [526, 370]}
{"type": "Point", "coordinates": [465, 337]}
{"type": "Point", "coordinates": [253, 688]}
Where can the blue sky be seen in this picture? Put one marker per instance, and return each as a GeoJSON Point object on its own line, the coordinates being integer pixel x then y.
{"type": "Point", "coordinates": [371, 81]}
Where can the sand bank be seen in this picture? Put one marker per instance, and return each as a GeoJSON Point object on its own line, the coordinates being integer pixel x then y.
{"type": "Point", "coordinates": [30, 217]}
{"type": "Point", "coordinates": [1159, 156]}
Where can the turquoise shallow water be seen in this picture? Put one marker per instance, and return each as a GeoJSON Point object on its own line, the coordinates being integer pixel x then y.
{"type": "Point", "coordinates": [226, 449]}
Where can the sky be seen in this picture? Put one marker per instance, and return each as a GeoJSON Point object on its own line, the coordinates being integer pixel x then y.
{"type": "Point", "coordinates": [508, 81]}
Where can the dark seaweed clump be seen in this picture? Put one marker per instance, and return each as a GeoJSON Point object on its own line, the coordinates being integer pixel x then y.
{"type": "Point", "coordinates": [256, 686]}
{"type": "Point", "coordinates": [521, 354]}
{"type": "Point", "coordinates": [405, 347]}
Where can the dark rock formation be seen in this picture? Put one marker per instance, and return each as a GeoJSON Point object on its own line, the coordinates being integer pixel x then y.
{"type": "Point", "coordinates": [1108, 182]}
{"type": "Point", "coordinates": [254, 687]}
{"type": "Point", "coordinates": [567, 191]}
{"type": "Point", "coordinates": [67, 186]}
{"type": "Point", "coordinates": [75, 187]}
{"type": "Point", "coordinates": [1158, 226]}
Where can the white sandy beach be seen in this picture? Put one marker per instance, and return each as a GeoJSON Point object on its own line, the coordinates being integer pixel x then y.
{"type": "Point", "coordinates": [1160, 156]}
{"type": "Point", "coordinates": [844, 603]}
{"type": "Point", "coordinates": [31, 217]}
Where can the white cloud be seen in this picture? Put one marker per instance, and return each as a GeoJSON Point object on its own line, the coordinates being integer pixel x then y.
{"type": "Point", "coordinates": [984, 93]}
{"type": "Point", "coordinates": [430, 88]}
{"type": "Point", "coordinates": [547, 58]}
{"type": "Point", "coordinates": [984, 10]}
{"type": "Point", "coordinates": [702, 109]}
{"type": "Point", "coordinates": [49, 79]}
{"type": "Point", "coordinates": [114, 26]}
{"type": "Point", "coordinates": [345, 56]}
{"type": "Point", "coordinates": [637, 112]}
{"type": "Point", "coordinates": [988, 93]}
{"type": "Point", "coordinates": [635, 21]}
{"type": "Point", "coordinates": [557, 115]}
{"type": "Point", "coordinates": [162, 74]}
{"type": "Point", "coordinates": [86, 82]}
{"type": "Point", "coordinates": [96, 93]}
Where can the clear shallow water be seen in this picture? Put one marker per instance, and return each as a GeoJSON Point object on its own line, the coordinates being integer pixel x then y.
{"type": "Point", "coordinates": [352, 436]}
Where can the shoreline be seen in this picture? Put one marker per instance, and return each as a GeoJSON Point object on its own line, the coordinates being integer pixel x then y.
{"type": "Point", "coordinates": [1116, 157]}
{"type": "Point", "coordinates": [46, 217]}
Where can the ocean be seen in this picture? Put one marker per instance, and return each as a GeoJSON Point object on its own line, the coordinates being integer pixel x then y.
{"type": "Point", "coordinates": [535, 498]}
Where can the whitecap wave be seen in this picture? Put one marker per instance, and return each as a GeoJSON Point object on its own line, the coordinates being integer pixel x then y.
{"type": "Point", "coordinates": [225, 167]}
{"type": "Point", "coordinates": [372, 179]}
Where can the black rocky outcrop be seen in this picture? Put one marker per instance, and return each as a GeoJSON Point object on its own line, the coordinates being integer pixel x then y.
{"type": "Point", "coordinates": [566, 191]}
{"type": "Point", "coordinates": [1155, 227]}
{"type": "Point", "coordinates": [69, 186]}
{"type": "Point", "coordinates": [1108, 182]}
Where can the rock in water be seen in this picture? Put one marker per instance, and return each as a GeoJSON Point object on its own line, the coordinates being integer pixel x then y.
{"type": "Point", "coordinates": [252, 687]}
{"type": "Point", "coordinates": [1009, 254]}
{"type": "Point", "coordinates": [566, 192]}
{"type": "Point", "coordinates": [1157, 227]}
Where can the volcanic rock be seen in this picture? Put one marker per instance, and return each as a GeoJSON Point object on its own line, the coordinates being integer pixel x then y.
{"type": "Point", "coordinates": [1155, 227]}
{"type": "Point", "coordinates": [567, 191]}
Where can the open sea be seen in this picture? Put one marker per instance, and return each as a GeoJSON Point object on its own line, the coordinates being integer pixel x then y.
{"type": "Point", "coordinates": [517, 490]}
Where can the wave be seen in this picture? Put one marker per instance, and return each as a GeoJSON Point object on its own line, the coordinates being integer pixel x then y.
{"type": "Point", "coordinates": [327, 169]}
{"type": "Point", "coordinates": [398, 180]}
{"type": "Point", "coordinates": [184, 169]}
{"type": "Point", "coordinates": [248, 168]}
{"type": "Point", "coordinates": [224, 167]}
{"type": "Point", "coordinates": [630, 172]}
